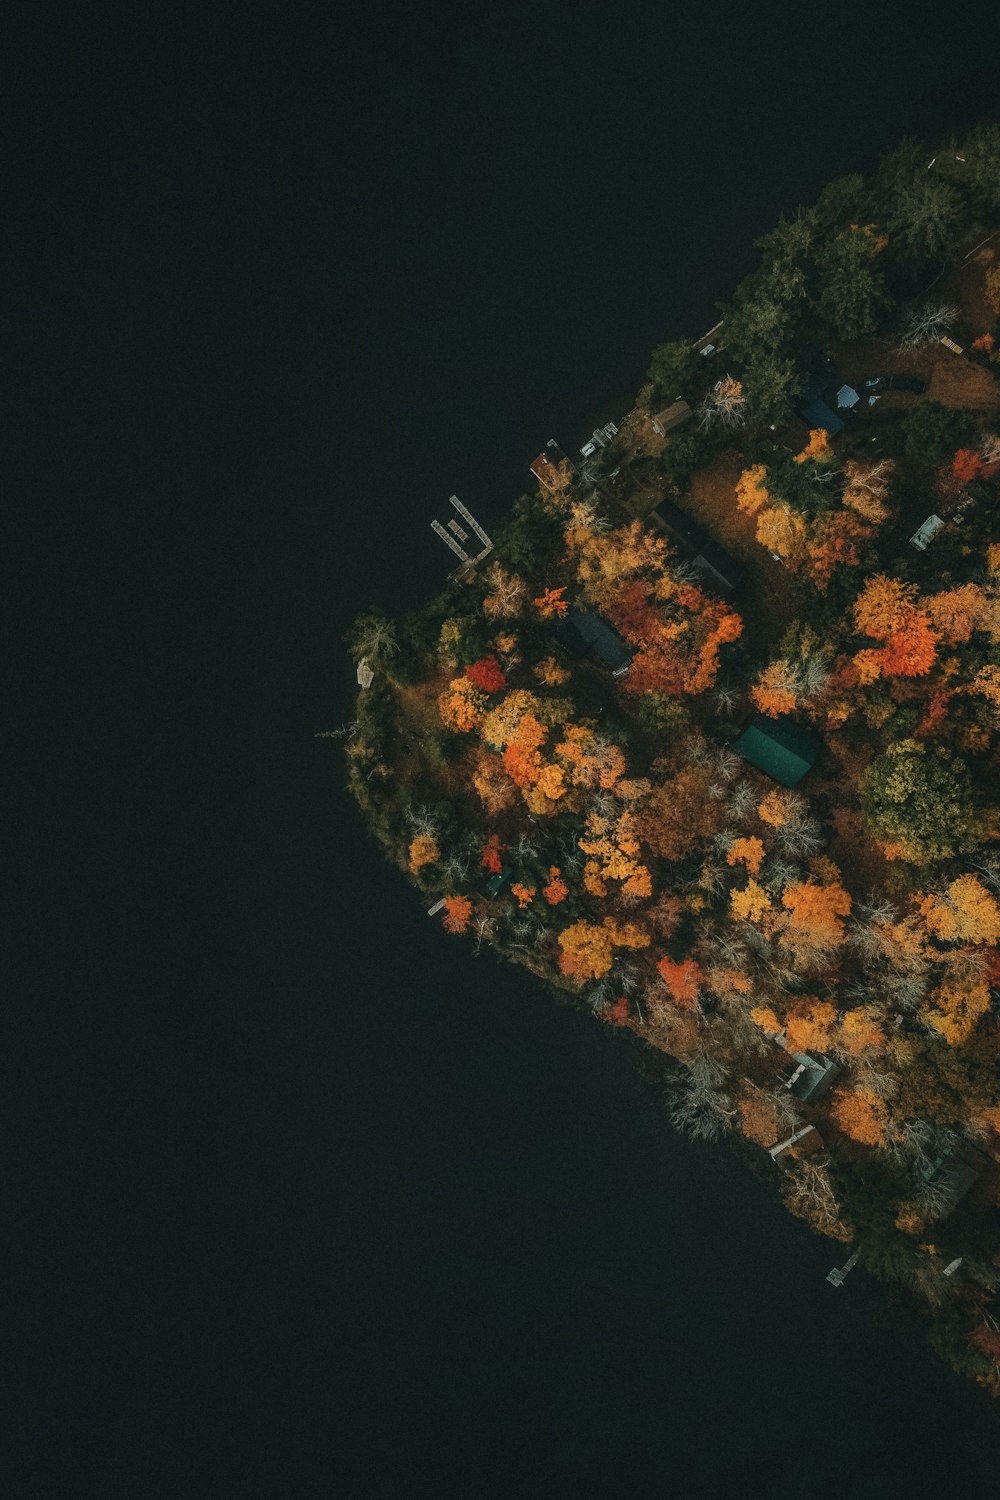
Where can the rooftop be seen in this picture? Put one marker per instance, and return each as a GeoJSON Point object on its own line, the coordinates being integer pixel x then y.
{"type": "Point", "coordinates": [779, 747]}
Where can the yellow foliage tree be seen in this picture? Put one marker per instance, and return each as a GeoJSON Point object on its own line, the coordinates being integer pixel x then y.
{"type": "Point", "coordinates": [818, 449]}
{"type": "Point", "coordinates": [954, 1008]}
{"type": "Point", "coordinates": [967, 914]}
{"type": "Point", "coordinates": [782, 530]}
{"type": "Point", "coordinates": [751, 903]}
{"type": "Point", "coordinates": [751, 494]}
{"type": "Point", "coordinates": [859, 1030]}
{"type": "Point", "coordinates": [774, 809]}
{"type": "Point", "coordinates": [502, 723]}
{"type": "Point", "coordinates": [550, 672]}
{"type": "Point", "coordinates": [808, 1025]}
{"type": "Point", "coordinates": [749, 852]}
{"type": "Point", "coordinates": [861, 1114]}
{"type": "Point", "coordinates": [423, 851]}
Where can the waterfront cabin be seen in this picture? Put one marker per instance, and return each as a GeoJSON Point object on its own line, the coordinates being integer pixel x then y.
{"type": "Point", "coordinates": [949, 1178]}
{"type": "Point", "coordinates": [552, 468]}
{"type": "Point", "coordinates": [780, 748]}
{"type": "Point", "coordinates": [672, 417]}
{"type": "Point", "coordinates": [589, 637]}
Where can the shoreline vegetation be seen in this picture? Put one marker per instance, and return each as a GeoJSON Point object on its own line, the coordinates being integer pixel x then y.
{"type": "Point", "coordinates": [708, 741]}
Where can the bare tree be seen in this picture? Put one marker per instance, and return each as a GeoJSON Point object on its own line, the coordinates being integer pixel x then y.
{"type": "Point", "coordinates": [374, 637]}
{"type": "Point", "coordinates": [799, 836]}
{"type": "Point", "coordinates": [696, 1103]}
{"type": "Point", "coordinates": [810, 1194]}
{"type": "Point", "coordinates": [742, 801]}
{"type": "Point", "coordinates": [724, 406]}
{"type": "Point", "coordinates": [455, 868]}
{"type": "Point", "coordinates": [726, 698]}
{"type": "Point", "coordinates": [927, 324]}
{"type": "Point", "coordinates": [484, 928]}
{"type": "Point", "coordinates": [422, 820]}
{"type": "Point", "coordinates": [727, 764]}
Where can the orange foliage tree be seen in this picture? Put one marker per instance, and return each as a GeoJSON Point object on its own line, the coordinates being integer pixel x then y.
{"type": "Point", "coordinates": [748, 852]}
{"type": "Point", "coordinates": [423, 851]}
{"type": "Point", "coordinates": [551, 603]}
{"type": "Point", "coordinates": [557, 890]}
{"type": "Point", "coordinates": [817, 449]}
{"type": "Point", "coordinates": [815, 914]}
{"type": "Point", "coordinates": [967, 913]}
{"type": "Point", "coordinates": [886, 609]}
{"type": "Point", "coordinates": [751, 493]}
{"type": "Point", "coordinates": [462, 704]}
{"type": "Point", "coordinates": [861, 1114]}
{"type": "Point", "coordinates": [859, 1030]}
{"type": "Point", "coordinates": [776, 690]}
{"type": "Point", "coordinates": [683, 980]}
{"type": "Point", "coordinates": [457, 913]}
{"type": "Point", "coordinates": [808, 1025]}
{"type": "Point", "coordinates": [957, 612]}
{"type": "Point", "coordinates": [491, 856]}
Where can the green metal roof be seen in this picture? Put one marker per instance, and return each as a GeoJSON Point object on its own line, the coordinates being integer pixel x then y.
{"type": "Point", "coordinates": [779, 747]}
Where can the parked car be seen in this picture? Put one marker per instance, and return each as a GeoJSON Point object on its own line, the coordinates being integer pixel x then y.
{"type": "Point", "coordinates": [906, 383]}
{"type": "Point", "coordinates": [894, 383]}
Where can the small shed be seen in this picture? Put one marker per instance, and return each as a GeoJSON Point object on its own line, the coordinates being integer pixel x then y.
{"type": "Point", "coordinates": [672, 417]}
{"type": "Point", "coordinates": [587, 635]}
{"type": "Point", "coordinates": [847, 398]}
{"type": "Point", "coordinates": [779, 747]}
{"type": "Point", "coordinates": [925, 534]}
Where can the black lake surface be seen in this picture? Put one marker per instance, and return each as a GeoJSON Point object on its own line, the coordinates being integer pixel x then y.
{"type": "Point", "coordinates": [314, 1203]}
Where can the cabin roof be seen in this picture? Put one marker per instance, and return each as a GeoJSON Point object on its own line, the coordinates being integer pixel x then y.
{"type": "Point", "coordinates": [818, 414]}
{"type": "Point", "coordinates": [674, 415]}
{"type": "Point", "coordinates": [779, 747]}
{"type": "Point", "coordinates": [585, 634]}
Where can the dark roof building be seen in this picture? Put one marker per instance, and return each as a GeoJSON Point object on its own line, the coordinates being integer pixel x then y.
{"type": "Point", "coordinates": [818, 414]}
{"type": "Point", "coordinates": [812, 1077]}
{"type": "Point", "coordinates": [672, 417]}
{"type": "Point", "coordinates": [588, 635]}
{"type": "Point", "coordinates": [720, 571]}
{"type": "Point", "coordinates": [778, 747]}
{"type": "Point", "coordinates": [812, 409]}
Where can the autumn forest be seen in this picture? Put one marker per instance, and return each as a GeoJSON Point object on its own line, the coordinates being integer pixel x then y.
{"type": "Point", "coordinates": [557, 747]}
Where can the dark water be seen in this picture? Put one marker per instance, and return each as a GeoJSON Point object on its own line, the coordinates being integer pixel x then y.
{"type": "Point", "coordinates": [311, 1202]}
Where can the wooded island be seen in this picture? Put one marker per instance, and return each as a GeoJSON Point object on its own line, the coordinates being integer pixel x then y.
{"type": "Point", "coordinates": [708, 739]}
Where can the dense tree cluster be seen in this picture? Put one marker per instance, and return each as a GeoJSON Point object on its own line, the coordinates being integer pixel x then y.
{"type": "Point", "coordinates": [600, 830]}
